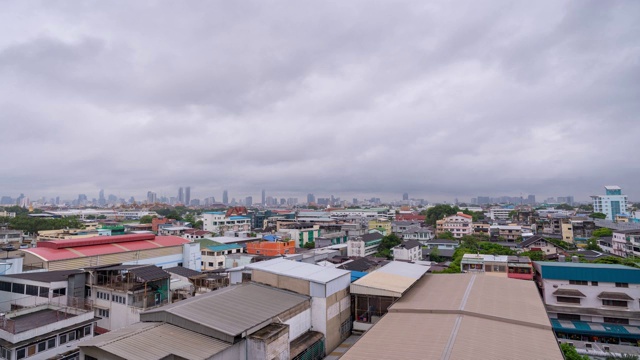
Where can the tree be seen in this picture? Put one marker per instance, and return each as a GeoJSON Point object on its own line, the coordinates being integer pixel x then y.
{"type": "Point", "coordinates": [587, 207]}
{"type": "Point", "coordinates": [570, 353]}
{"type": "Point", "coordinates": [598, 215]}
{"type": "Point", "coordinates": [435, 255]}
{"type": "Point", "coordinates": [198, 224]}
{"type": "Point", "coordinates": [564, 207]}
{"type": "Point", "coordinates": [438, 212]}
{"type": "Point", "coordinates": [602, 232]}
{"type": "Point", "coordinates": [90, 217]}
{"type": "Point", "coordinates": [310, 245]}
{"type": "Point", "coordinates": [147, 219]}
{"type": "Point", "coordinates": [102, 217]}
{"type": "Point", "coordinates": [592, 244]}
{"type": "Point", "coordinates": [533, 255]}
{"type": "Point", "coordinates": [447, 235]}
{"type": "Point", "coordinates": [190, 218]}
{"type": "Point", "coordinates": [388, 242]}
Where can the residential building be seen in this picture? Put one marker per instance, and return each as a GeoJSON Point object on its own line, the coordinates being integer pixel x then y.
{"type": "Point", "coordinates": [421, 234]}
{"type": "Point", "coordinates": [382, 224]}
{"type": "Point", "coordinates": [302, 233]}
{"type": "Point", "coordinates": [459, 225]}
{"type": "Point", "coordinates": [481, 227]}
{"type": "Point", "coordinates": [626, 243]}
{"type": "Point", "coordinates": [271, 248]}
{"type": "Point", "coordinates": [538, 243]}
{"type": "Point", "coordinates": [247, 321]}
{"type": "Point", "coordinates": [329, 238]}
{"type": "Point", "coordinates": [164, 251]}
{"type": "Point", "coordinates": [219, 222]}
{"type": "Point", "coordinates": [612, 203]}
{"type": "Point", "coordinates": [11, 236]}
{"type": "Point", "coordinates": [213, 257]}
{"type": "Point", "coordinates": [463, 316]}
{"type": "Point", "coordinates": [328, 288]}
{"type": "Point", "coordinates": [516, 267]}
{"type": "Point", "coordinates": [442, 244]}
{"type": "Point", "coordinates": [364, 245]}
{"type": "Point", "coordinates": [509, 233]}
{"type": "Point", "coordinates": [399, 227]}
{"type": "Point", "coordinates": [408, 250]}
{"type": "Point", "coordinates": [499, 213]}
{"type": "Point", "coordinates": [591, 305]}
{"type": "Point", "coordinates": [375, 292]}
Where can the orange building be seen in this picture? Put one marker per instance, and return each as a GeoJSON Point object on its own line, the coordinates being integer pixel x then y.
{"type": "Point", "coordinates": [271, 248]}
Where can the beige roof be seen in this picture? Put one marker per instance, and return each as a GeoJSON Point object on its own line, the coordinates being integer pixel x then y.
{"type": "Point", "coordinates": [382, 284]}
{"type": "Point", "coordinates": [158, 341]}
{"type": "Point", "coordinates": [462, 316]}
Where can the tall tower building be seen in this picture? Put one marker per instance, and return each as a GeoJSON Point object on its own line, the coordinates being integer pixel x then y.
{"type": "Point", "coordinates": [405, 196]}
{"type": "Point", "coordinates": [264, 198]}
{"type": "Point", "coordinates": [180, 195]}
{"type": "Point", "coordinates": [248, 201]}
{"type": "Point", "coordinates": [225, 197]}
{"type": "Point", "coordinates": [101, 200]}
{"type": "Point", "coordinates": [311, 199]}
{"type": "Point", "coordinates": [187, 195]}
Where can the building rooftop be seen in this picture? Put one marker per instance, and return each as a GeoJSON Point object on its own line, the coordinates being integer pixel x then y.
{"type": "Point", "coordinates": [101, 245]}
{"type": "Point", "coordinates": [230, 311]}
{"type": "Point", "coordinates": [310, 272]}
{"type": "Point", "coordinates": [159, 341]}
{"type": "Point", "coordinates": [38, 319]}
{"type": "Point", "coordinates": [462, 316]}
{"type": "Point", "coordinates": [183, 271]}
{"type": "Point", "coordinates": [390, 280]}
{"type": "Point", "coordinates": [224, 247]}
{"type": "Point", "coordinates": [587, 272]}
{"type": "Point", "coordinates": [45, 276]}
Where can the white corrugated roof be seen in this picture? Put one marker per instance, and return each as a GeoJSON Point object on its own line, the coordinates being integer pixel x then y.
{"type": "Point", "coordinates": [405, 269]}
{"type": "Point", "coordinates": [300, 270]}
{"type": "Point", "coordinates": [391, 280]}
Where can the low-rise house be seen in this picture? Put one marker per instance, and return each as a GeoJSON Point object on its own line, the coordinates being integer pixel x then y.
{"type": "Point", "coordinates": [408, 250]}
{"type": "Point", "coordinates": [459, 225]}
{"type": "Point", "coordinates": [195, 234]}
{"type": "Point", "coordinates": [626, 243]}
{"type": "Point", "coordinates": [364, 245]}
{"type": "Point", "coordinates": [213, 257]}
{"type": "Point", "coordinates": [375, 292]}
{"type": "Point", "coordinates": [11, 236]}
{"type": "Point", "coordinates": [301, 233]}
{"type": "Point", "coordinates": [271, 248]}
{"type": "Point", "coordinates": [382, 224]}
{"type": "Point", "coordinates": [399, 227]}
{"type": "Point", "coordinates": [219, 222]}
{"type": "Point", "coordinates": [539, 243]}
{"type": "Point", "coordinates": [421, 234]}
{"type": "Point", "coordinates": [442, 244]}
{"type": "Point", "coordinates": [592, 305]}
{"type": "Point", "coordinates": [517, 267]}
{"type": "Point", "coordinates": [509, 233]}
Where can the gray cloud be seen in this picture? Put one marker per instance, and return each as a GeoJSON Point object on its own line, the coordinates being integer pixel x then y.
{"type": "Point", "coordinates": [362, 98]}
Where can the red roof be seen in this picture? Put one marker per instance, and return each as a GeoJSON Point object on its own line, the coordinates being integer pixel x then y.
{"type": "Point", "coordinates": [411, 217]}
{"type": "Point", "coordinates": [101, 246]}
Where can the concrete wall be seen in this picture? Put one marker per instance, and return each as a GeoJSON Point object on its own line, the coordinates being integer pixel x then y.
{"type": "Point", "coordinates": [271, 342]}
{"type": "Point", "coordinates": [338, 312]}
{"type": "Point", "coordinates": [282, 282]}
{"type": "Point", "coordinates": [299, 324]}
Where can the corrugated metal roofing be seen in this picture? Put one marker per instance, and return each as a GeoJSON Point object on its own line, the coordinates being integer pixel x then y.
{"type": "Point", "coordinates": [45, 276]}
{"type": "Point", "coordinates": [151, 341]}
{"type": "Point", "coordinates": [462, 316]}
{"type": "Point", "coordinates": [404, 269]}
{"type": "Point", "coordinates": [588, 272]}
{"type": "Point", "coordinates": [391, 280]}
{"type": "Point", "coordinates": [300, 270]}
{"type": "Point", "coordinates": [95, 240]}
{"type": "Point", "coordinates": [183, 271]}
{"type": "Point", "coordinates": [231, 310]}
{"type": "Point", "coordinates": [51, 254]}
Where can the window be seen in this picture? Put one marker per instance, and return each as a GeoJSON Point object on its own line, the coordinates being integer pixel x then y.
{"type": "Point", "coordinates": [594, 283]}
{"type": "Point", "coordinates": [616, 320]}
{"type": "Point", "coordinates": [21, 353]}
{"type": "Point", "coordinates": [59, 292]}
{"type": "Point", "coordinates": [617, 303]}
{"type": "Point", "coordinates": [5, 286]}
{"type": "Point", "coordinates": [103, 313]}
{"type": "Point", "coordinates": [578, 282]}
{"type": "Point", "coordinates": [102, 295]}
{"type": "Point", "coordinates": [51, 343]}
{"type": "Point", "coordinates": [63, 339]}
{"type": "Point", "coordinates": [570, 300]}
{"type": "Point", "coordinates": [179, 264]}
{"type": "Point", "coordinates": [42, 346]}
{"type": "Point", "coordinates": [72, 335]}
{"type": "Point", "coordinates": [17, 288]}
{"type": "Point", "coordinates": [574, 317]}
{"type": "Point", "coordinates": [119, 299]}
{"type": "Point", "coordinates": [43, 292]}
{"type": "Point", "coordinates": [622, 285]}
{"type": "Point", "coordinates": [32, 290]}
{"type": "Point", "coordinates": [87, 330]}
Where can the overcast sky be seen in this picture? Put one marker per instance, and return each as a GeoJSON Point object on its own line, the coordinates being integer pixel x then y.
{"type": "Point", "coordinates": [351, 98]}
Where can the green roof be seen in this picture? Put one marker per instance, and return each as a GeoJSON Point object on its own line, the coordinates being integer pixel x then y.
{"type": "Point", "coordinates": [205, 243]}
{"type": "Point", "coordinates": [584, 265]}
{"type": "Point", "coordinates": [588, 272]}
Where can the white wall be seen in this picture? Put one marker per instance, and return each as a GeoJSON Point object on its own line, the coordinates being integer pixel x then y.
{"type": "Point", "coordinates": [591, 293]}
{"type": "Point", "coordinates": [299, 324]}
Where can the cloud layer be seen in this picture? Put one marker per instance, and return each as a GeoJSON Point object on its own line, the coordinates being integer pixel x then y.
{"type": "Point", "coordinates": [436, 99]}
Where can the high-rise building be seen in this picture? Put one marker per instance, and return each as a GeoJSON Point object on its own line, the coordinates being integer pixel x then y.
{"type": "Point", "coordinates": [151, 197]}
{"type": "Point", "coordinates": [531, 199]}
{"type": "Point", "coordinates": [187, 195]}
{"type": "Point", "coordinates": [225, 197]}
{"type": "Point", "coordinates": [311, 199]}
{"type": "Point", "coordinates": [101, 199]}
{"type": "Point", "coordinates": [180, 195]}
{"type": "Point", "coordinates": [483, 200]}
{"type": "Point", "coordinates": [264, 198]}
{"type": "Point", "coordinates": [613, 203]}
{"type": "Point", "coordinates": [248, 201]}
{"type": "Point", "coordinates": [405, 196]}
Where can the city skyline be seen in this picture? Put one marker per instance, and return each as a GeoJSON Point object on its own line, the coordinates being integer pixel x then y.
{"type": "Point", "coordinates": [440, 100]}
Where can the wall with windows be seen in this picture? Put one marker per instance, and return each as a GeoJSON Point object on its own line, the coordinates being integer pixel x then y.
{"type": "Point", "coordinates": [16, 293]}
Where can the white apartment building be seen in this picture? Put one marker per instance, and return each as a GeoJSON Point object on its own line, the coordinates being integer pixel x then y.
{"type": "Point", "coordinates": [626, 243]}
{"type": "Point", "coordinates": [217, 222]}
{"type": "Point", "coordinates": [499, 213]}
{"type": "Point", "coordinates": [410, 250]}
{"type": "Point", "coordinates": [364, 245]}
{"type": "Point", "coordinates": [612, 203]}
{"type": "Point", "coordinates": [459, 225]}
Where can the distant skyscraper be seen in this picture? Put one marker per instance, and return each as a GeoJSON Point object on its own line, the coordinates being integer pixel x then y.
{"type": "Point", "coordinates": [187, 195]}
{"type": "Point", "coordinates": [405, 196]}
{"type": "Point", "coordinates": [225, 197]}
{"type": "Point", "coordinates": [531, 199]}
{"type": "Point", "coordinates": [180, 195]}
{"type": "Point", "coordinates": [101, 200]}
{"type": "Point", "coordinates": [264, 198]}
{"type": "Point", "coordinates": [248, 201]}
{"type": "Point", "coordinates": [151, 197]}
{"type": "Point", "coordinates": [311, 199]}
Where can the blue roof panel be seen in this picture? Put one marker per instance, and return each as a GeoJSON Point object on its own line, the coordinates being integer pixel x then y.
{"type": "Point", "coordinates": [588, 272]}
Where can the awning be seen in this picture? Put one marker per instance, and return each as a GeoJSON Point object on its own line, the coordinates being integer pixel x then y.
{"type": "Point", "coordinates": [180, 284]}
{"type": "Point", "coordinates": [520, 265]}
{"type": "Point", "coordinates": [568, 293]}
{"type": "Point", "coordinates": [607, 295]}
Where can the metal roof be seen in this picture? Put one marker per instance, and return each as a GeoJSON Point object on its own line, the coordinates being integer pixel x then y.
{"type": "Point", "coordinates": [150, 341]}
{"type": "Point", "coordinates": [587, 272]}
{"type": "Point", "coordinates": [462, 316]}
{"type": "Point", "coordinates": [300, 270]}
{"type": "Point", "coordinates": [390, 280]}
{"type": "Point", "coordinates": [45, 276]}
{"type": "Point", "coordinates": [231, 310]}
{"type": "Point", "coordinates": [183, 271]}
